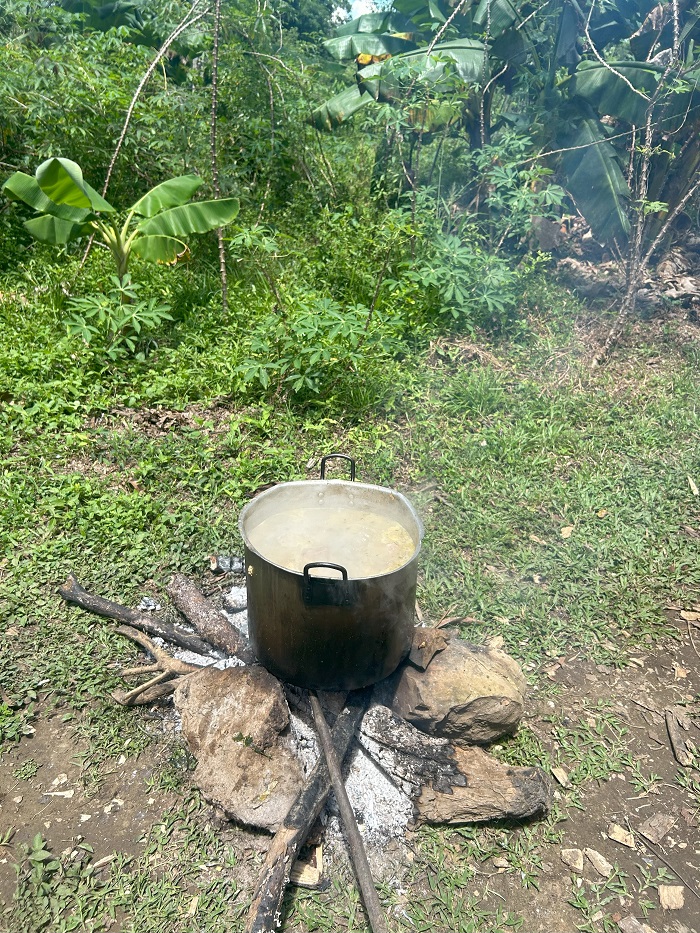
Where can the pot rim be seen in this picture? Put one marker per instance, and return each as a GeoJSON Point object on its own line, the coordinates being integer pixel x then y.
{"type": "Point", "coordinates": [273, 490]}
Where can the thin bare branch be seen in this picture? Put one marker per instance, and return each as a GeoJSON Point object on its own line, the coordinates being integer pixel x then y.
{"type": "Point", "coordinates": [213, 152]}
{"type": "Point", "coordinates": [191, 17]}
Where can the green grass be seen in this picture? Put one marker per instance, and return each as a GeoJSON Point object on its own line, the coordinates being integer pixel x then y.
{"type": "Point", "coordinates": [500, 459]}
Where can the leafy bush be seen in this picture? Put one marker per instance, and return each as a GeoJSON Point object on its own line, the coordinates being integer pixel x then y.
{"type": "Point", "coordinates": [311, 345]}
{"type": "Point", "coordinates": [117, 323]}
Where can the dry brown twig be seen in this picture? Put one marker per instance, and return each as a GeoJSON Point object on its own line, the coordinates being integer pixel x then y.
{"type": "Point", "coordinates": [169, 671]}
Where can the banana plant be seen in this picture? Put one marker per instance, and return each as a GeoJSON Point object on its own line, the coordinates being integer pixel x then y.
{"type": "Point", "coordinates": [68, 208]}
{"type": "Point", "coordinates": [587, 105]}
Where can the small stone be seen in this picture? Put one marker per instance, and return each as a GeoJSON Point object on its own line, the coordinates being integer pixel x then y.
{"type": "Point", "coordinates": [17, 799]}
{"type": "Point", "coordinates": [623, 836]}
{"type": "Point", "coordinates": [501, 864]}
{"type": "Point", "coordinates": [561, 776]}
{"type": "Point", "coordinates": [671, 896]}
{"type": "Point", "coordinates": [573, 858]}
{"type": "Point", "coordinates": [59, 779]}
{"type": "Point", "coordinates": [84, 817]}
{"type": "Point", "coordinates": [632, 925]}
{"type": "Point", "coordinates": [601, 865]}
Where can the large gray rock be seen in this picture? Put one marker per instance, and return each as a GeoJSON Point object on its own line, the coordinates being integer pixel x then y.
{"type": "Point", "coordinates": [467, 693]}
{"type": "Point", "coordinates": [232, 721]}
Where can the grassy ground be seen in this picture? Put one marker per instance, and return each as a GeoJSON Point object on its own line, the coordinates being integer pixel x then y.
{"type": "Point", "coordinates": [560, 511]}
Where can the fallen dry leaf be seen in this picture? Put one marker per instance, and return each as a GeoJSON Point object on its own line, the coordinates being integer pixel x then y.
{"type": "Point", "coordinates": [655, 828]}
{"type": "Point", "coordinates": [566, 531]}
{"type": "Point", "coordinates": [601, 513]}
{"type": "Point", "coordinates": [693, 488]}
{"type": "Point", "coordinates": [679, 673]}
{"type": "Point", "coordinates": [689, 616]}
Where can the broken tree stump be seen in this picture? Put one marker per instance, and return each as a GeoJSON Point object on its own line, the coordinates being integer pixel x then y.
{"type": "Point", "coordinates": [467, 693]}
{"type": "Point", "coordinates": [232, 721]}
{"type": "Point", "coordinates": [207, 620]}
{"type": "Point", "coordinates": [449, 784]}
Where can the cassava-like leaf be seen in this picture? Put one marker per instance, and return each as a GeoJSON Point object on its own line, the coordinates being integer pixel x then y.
{"type": "Point", "coordinates": [199, 217]}
{"type": "Point", "coordinates": [22, 187]}
{"type": "Point", "coordinates": [172, 193]}
{"type": "Point", "coordinates": [159, 248]}
{"type": "Point", "coordinates": [339, 108]}
{"type": "Point", "coordinates": [54, 230]}
{"type": "Point", "coordinates": [63, 182]}
{"type": "Point", "coordinates": [593, 177]}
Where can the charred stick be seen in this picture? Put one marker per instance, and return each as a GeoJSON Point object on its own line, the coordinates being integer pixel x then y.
{"type": "Point", "coordinates": [264, 915]}
{"type": "Point", "coordinates": [680, 749]}
{"type": "Point", "coordinates": [352, 833]}
{"type": "Point", "coordinates": [207, 620]}
{"type": "Point", "coordinates": [74, 593]}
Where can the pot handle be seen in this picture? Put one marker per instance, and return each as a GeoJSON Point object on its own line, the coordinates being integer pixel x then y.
{"type": "Point", "coordinates": [324, 591]}
{"type": "Point", "coordinates": [323, 472]}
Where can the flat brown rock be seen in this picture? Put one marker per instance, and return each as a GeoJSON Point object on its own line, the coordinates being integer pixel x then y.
{"type": "Point", "coordinates": [232, 720]}
{"type": "Point", "coordinates": [467, 693]}
{"type": "Point", "coordinates": [492, 791]}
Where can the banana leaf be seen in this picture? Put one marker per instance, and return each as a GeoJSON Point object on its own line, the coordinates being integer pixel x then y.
{"type": "Point", "coordinates": [377, 23]}
{"type": "Point", "coordinates": [347, 47]}
{"type": "Point", "coordinates": [172, 193]}
{"type": "Point", "coordinates": [339, 108]}
{"type": "Point", "coordinates": [386, 80]}
{"type": "Point", "coordinates": [22, 187]}
{"type": "Point", "coordinates": [610, 95]}
{"type": "Point", "coordinates": [158, 248]}
{"type": "Point", "coordinates": [199, 217]}
{"type": "Point", "coordinates": [54, 230]}
{"type": "Point", "coordinates": [593, 178]}
{"type": "Point", "coordinates": [502, 16]}
{"type": "Point", "coordinates": [63, 182]}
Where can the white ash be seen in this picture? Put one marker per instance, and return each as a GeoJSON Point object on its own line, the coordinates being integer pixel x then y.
{"type": "Point", "coordinates": [213, 659]}
{"type": "Point", "coordinates": [235, 608]}
{"type": "Point", "coordinates": [381, 809]}
{"type": "Point", "coordinates": [148, 604]}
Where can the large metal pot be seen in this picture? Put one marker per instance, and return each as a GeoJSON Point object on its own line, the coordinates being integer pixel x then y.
{"type": "Point", "coordinates": [319, 626]}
